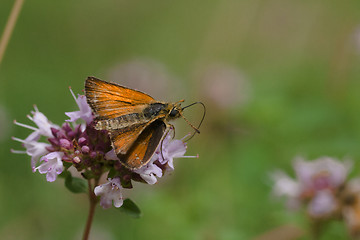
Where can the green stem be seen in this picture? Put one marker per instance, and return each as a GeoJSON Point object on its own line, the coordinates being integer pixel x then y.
{"type": "Point", "coordinates": [9, 27]}
{"type": "Point", "coordinates": [93, 202]}
{"type": "Point", "coordinates": [316, 229]}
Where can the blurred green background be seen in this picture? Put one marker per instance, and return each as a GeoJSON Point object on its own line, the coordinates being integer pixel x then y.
{"type": "Point", "coordinates": [279, 78]}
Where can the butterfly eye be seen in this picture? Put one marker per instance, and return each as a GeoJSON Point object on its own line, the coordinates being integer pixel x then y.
{"type": "Point", "coordinates": [174, 113]}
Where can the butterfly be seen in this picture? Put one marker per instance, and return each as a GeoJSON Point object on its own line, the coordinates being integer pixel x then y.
{"type": "Point", "coordinates": [136, 122]}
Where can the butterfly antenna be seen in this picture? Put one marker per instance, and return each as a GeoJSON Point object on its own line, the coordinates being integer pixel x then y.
{"type": "Point", "coordinates": [203, 105]}
{"type": "Point", "coordinates": [202, 119]}
{"type": "Point", "coordinates": [187, 121]}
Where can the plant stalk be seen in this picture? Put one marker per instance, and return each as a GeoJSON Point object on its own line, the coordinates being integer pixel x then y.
{"type": "Point", "coordinates": [93, 202]}
{"type": "Point", "coordinates": [9, 27]}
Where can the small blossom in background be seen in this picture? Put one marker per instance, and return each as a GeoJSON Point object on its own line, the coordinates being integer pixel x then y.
{"type": "Point", "coordinates": [323, 189]}
{"type": "Point", "coordinates": [77, 144]}
{"type": "Point", "coordinates": [317, 183]}
{"type": "Point", "coordinates": [223, 85]}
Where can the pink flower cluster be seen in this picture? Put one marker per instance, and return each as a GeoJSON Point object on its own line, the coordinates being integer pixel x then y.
{"type": "Point", "coordinates": [54, 149]}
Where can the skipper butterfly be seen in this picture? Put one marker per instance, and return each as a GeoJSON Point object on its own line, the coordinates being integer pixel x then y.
{"type": "Point", "coordinates": [136, 122]}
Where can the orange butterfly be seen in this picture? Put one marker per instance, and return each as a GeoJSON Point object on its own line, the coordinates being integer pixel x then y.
{"type": "Point", "coordinates": [136, 122]}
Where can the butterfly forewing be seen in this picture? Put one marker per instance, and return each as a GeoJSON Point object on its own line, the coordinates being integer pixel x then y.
{"type": "Point", "coordinates": [144, 147]}
{"type": "Point", "coordinates": [109, 100]}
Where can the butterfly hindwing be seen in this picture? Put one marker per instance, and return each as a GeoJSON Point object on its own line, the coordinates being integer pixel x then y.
{"type": "Point", "coordinates": [141, 151]}
{"type": "Point", "coordinates": [109, 100]}
{"type": "Point", "coordinates": [122, 139]}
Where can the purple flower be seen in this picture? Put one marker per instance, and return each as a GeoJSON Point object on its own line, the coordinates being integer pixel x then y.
{"type": "Point", "coordinates": [149, 171]}
{"type": "Point", "coordinates": [51, 165]}
{"type": "Point", "coordinates": [109, 193]}
{"type": "Point", "coordinates": [33, 149]}
{"type": "Point", "coordinates": [163, 159]}
{"type": "Point", "coordinates": [111, 155]}
{"type": "Point", "coordinates": [170, 149]}
{"type": "Point", "coordinates": [322, 173]}
{"type": "Point", "coordinates": [316, 185]}
{"type": "Point", "coordinates": [84, 112]}
{"type": "Point", "coordinates": [323, 203]}
{"type": "Point", "coordinates": [43, 124]}
{"type": "Point", "coordinates": [284, 186]}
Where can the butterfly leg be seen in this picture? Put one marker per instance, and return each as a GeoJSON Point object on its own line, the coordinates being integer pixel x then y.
{"type": "Point", "coordinates": [164, 136]}
{"type": "Point", "coordinates": [173, 128]}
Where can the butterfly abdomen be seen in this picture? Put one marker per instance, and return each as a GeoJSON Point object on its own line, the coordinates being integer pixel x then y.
{"type": "Point", "coordinates": [120, 122]}
{"type": "Point", "coordinates": [152, 111]}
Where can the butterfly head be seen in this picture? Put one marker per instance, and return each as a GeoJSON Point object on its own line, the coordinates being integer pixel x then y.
{"type": "Point", "coordinates": [176, 111]}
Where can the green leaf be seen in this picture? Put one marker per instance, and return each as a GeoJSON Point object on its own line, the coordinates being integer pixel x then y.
{"type": "Point", "coordinates": [64, 174]}
{"type": "Point", "coordinates": [76, 185]}
{"type": "Point", "coordinates": [67, 164]}
{"type": "Point", "coordinates": [130, 208]}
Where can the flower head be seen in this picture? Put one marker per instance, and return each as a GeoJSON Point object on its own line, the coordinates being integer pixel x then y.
{"type": "Point", "coordinates": [79, 144]}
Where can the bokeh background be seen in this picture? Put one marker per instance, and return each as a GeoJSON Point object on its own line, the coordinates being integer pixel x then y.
{"type": "Point", "coordinates": [279, 79]}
